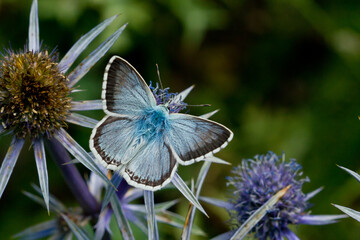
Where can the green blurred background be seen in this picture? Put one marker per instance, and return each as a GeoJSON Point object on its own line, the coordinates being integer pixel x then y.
{"type": "Point", "coordinates": [285, 75]}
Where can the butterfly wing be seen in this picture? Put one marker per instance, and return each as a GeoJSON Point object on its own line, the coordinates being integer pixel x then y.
{"type": "Point", "coordinates": [147, 164]}
{"type": "Point", "coordinates": [153, 166]}
{"type": "Point", "coordinates": [113, 141]}
{"type": "Point", "coordinates": [125, 92]}
{"type": "Point", "coordinates": [194, 138]}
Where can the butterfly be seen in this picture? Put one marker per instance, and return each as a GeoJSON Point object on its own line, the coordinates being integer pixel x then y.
{"type": "Point", "coordinates": [143, 141]}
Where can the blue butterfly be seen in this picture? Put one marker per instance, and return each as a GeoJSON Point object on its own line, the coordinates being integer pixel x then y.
{"type": "Point", "coordinates": [143, 140]}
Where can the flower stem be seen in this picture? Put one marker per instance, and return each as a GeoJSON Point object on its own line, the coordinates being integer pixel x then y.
{"type": "Point", "coordinates": [73, 179]}
{"type": "Point", "coordinates": [122, 189]}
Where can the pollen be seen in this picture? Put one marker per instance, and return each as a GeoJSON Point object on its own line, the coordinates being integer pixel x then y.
{"type": "Point", "coordinates": [34, 96]}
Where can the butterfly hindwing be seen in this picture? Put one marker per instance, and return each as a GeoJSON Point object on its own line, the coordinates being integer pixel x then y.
{"type": "Point", "coordinates": [112, 140]}
{"type": "Point", "coordinates": [153, 166]}
{"type": "Point", "coordinates": [124, 90]}
{"type": "Point", "coordinates": [193, 138]}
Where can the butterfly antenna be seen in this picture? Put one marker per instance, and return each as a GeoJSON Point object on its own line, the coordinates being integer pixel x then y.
{"type": "Point", "coordinates": [200, 105]}
{"type": "Point", "coordinates": [158, 73]}
{"type": "Point", "coordinates": [161, 86]}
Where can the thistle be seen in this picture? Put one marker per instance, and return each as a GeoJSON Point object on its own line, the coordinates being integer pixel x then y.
{"type": "Point", "coordinates": [36, 101]}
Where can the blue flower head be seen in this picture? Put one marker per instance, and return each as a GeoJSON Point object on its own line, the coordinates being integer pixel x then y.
{"type": "Point", "coordinates": [257, 180]}
{"type": "Point", "coordinates": [163, 96]}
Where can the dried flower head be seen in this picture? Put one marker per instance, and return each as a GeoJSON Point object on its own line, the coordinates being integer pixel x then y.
{"type": "Point", "coordinates": [35, 95]}
{"type": "Point", "coordinates": [35, 98]}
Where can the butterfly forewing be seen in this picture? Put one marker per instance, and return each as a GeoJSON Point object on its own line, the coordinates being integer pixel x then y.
{"type": "Point", "coordinates": [124, 90]}
{"type": "Point", "coordinates": [194, 138]}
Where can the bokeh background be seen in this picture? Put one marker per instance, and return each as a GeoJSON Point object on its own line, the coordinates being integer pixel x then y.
{"type": "Point", "coordinates": [285, 75]}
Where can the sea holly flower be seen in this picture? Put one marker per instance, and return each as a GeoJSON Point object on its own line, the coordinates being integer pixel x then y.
{"type": "Point", "coordinates": [256, 181]}
{"type": "Point", "coordinates": [173, 100]}
{"type": "Point", "coordinates": [36, 101]}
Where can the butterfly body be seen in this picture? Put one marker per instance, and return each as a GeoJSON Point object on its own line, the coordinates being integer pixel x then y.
{"type": "Point", "coordinates": [144, 140]}
{"type": "Point", "coordinates": [154, 122]}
